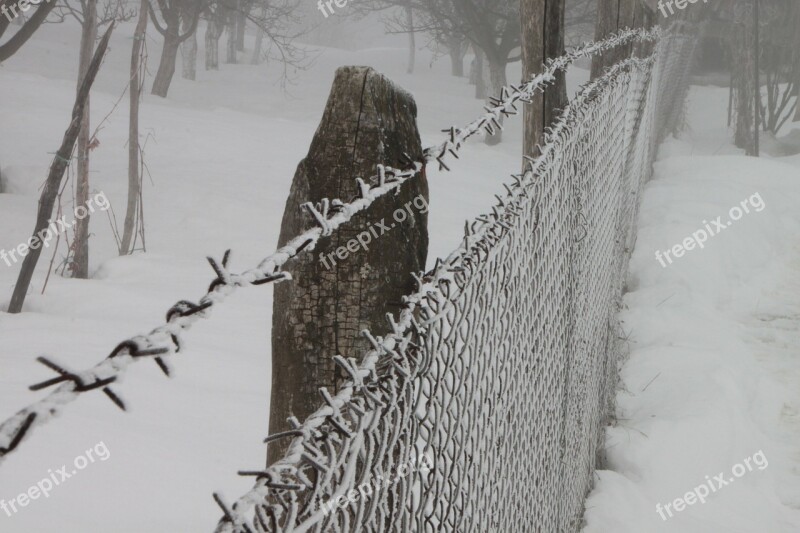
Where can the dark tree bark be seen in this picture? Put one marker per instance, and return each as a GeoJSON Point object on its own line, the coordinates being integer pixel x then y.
{"type": "Point", "coordinates": [322, 311]}
{"type": "Point", "coordinates": [542, 39]}
{"type": "Point", "coordinates": [173, 12]}
{"type": "Point", "coordinates": [55, 176]}
{"type": "Point", "coordinates": [166, 67]}
{"type": "Point", "coordinates": [612, 16]}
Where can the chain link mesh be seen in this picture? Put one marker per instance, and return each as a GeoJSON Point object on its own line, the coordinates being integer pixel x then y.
{"type": "Point", "coordinates": [500, 371]}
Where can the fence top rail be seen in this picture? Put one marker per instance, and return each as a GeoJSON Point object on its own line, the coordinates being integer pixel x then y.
{"type": "Point", "coordinates": [164, 341]}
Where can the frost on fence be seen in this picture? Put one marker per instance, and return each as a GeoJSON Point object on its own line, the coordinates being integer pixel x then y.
{"type": "Point", "coordinates": [165, 341]}
{"type": "Point", "coordinates": [502, 367]}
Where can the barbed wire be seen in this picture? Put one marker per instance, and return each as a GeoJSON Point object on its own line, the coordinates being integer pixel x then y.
{"type": "Point", "coordinates": [165, 340]}
{"type": "Point", "coordinates": [335, 447]}
{"type": "Point", "coordinates": [397, 353]}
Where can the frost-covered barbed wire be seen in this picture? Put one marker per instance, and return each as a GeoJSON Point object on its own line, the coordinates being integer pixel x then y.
{"type": "Point", "coordinates": [511, 95]}
{"type": "Point", "coordinates": [165, 340]}
{"type": "Point", "coordinates": [501, 366]}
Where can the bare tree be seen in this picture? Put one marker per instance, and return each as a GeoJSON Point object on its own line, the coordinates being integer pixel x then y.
{"type": "Point", "coordinates": [91, 18]}
{"type": "Point", "coordinates": [243, 9]}
{"type": "Point", "coordinates": [258, 49]}
{"type": "Point", "coordinates": [172, 13]}
{"type": "Point", "coordinates": [133, 220]}
{"type": "Point", "coordinates": [216, 14]}
{"type": "Point", "coordinates": [779, 62]}
{"type": "Point", "coordinates": [279, 21]}
{"type": "Point", "coordinates": [743, 76]}
{"type": "Point", "coordinates": [579, 21]}
{"type": "Point", "coordinates": [493, 26]}
{"type": "Point", "coordinates": [457, 46]}
{"type": "Point", "coordinates": [189, 51]}
{"type": "Point", "coordinates": [230, 56]}
{"type": "Point", "coordinates": [54, 179]}
{"type": "Point", "coordinates": [80, 254]}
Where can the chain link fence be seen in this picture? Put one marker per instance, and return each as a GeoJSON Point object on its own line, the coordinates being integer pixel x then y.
{"type": "Point", "coordinates": [483, 408]}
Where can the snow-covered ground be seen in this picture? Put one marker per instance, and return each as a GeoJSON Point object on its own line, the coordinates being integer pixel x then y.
{"type": "Point", "coordinates": [712, 378]}
{"type": "Point", "coordinates": [714, 373]}
{"type": "Point", "coordinates": [222, 154]}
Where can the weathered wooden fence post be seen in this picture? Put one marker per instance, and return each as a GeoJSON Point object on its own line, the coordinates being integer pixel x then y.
{"type": "Point", "coordinates": [344, 287]}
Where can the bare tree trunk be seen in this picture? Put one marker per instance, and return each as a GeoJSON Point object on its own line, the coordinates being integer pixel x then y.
{"type": "Point", "coordinates": [80, 256]}
{"type": "Point", "coordinates": [241, 23]}
{"type": "Point", "coordinates": [481, 78]}
{"type": "Point", "coordinates": [542, 39]}
{"type": "Point", "coordinates": [213, 32]}
{"type": "Point", "coordinates": [744, 83]}
{"type": "Point", "coordinates": [412, 45]}
{"type": "Point", "coordinates": [797, 64]}
{"type": "Point", "coordinates": [134, 181]}
{"type": "Point", "coordinates": [497, 75]}
{"type": "Point", "coordinates": [797, 110]}
{"type": "Point", "coordinates": [189, 54]}
{"type": "Point", "coordinates": [231, 48]}
{"type": "Point", "coordinates": [473, 68]}
{"type": "Point", "coordinates": [756, 80]}
{"type": "Point", "coordinates": [321, 312]}
{"type": "Point", "coordinates": [166, 67]}
{"type": "Point", "coordinates": [258, 49]}
{"type": "Point", "coordinates": [54, 178]}
{"type": "Point", "coordinates": [457, 49]}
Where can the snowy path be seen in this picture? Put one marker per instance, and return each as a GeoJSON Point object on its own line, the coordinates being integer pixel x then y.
{"type": "Point", "coordinates": [713, 378]}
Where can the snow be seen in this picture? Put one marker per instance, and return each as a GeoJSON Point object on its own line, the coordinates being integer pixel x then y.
{"type": "Point", "coordinates": [222, 152]}
{"type": "Point", "coordinates": [712, 376]}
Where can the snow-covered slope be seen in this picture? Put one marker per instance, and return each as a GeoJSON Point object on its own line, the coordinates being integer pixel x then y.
{"type": "Point", "coordinates": [714, 373]}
